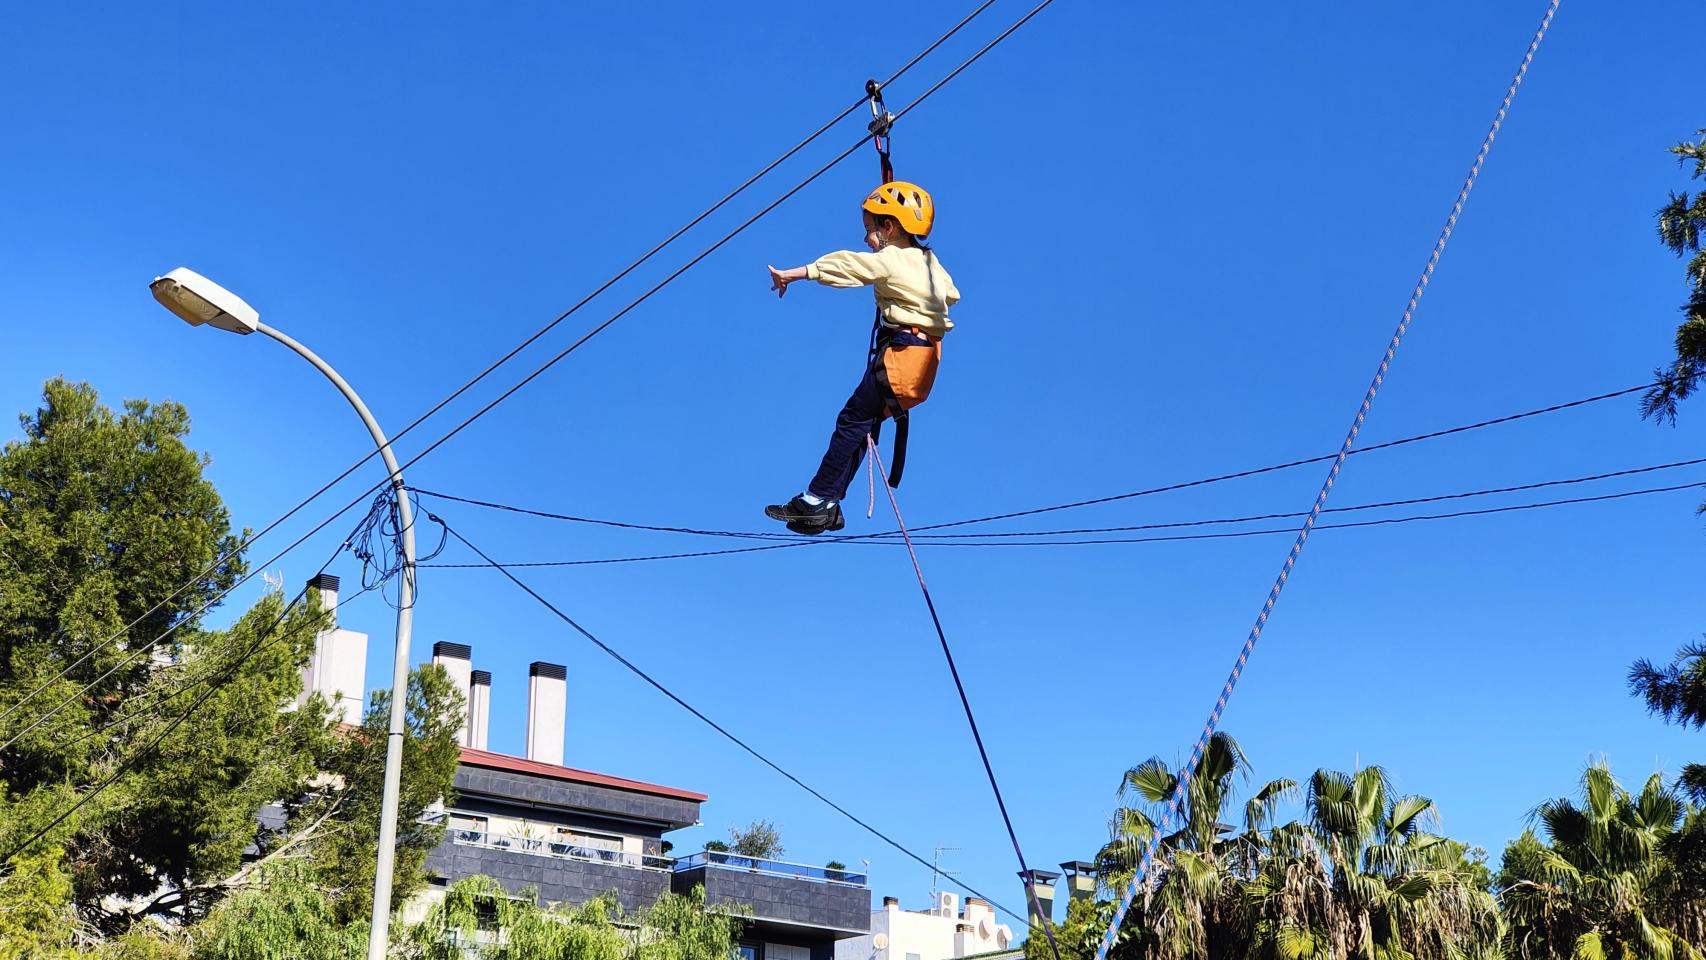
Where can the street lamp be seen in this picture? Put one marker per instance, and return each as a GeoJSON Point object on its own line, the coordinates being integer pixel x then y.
{"type": "Point", "coordinates": [198, 300]}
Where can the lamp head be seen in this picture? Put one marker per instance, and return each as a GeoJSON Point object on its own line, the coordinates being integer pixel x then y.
{"type": "Point", "coordinates": [197, 300]}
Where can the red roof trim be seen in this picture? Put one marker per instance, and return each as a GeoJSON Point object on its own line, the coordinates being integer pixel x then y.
{"type": "Point", "coordinates": [500, 761]}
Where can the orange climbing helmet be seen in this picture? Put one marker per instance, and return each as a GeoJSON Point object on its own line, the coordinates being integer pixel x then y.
{"type": "Point", "coordinates": [908, 203]}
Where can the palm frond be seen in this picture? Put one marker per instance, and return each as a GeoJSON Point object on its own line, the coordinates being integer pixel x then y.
{"type": "Point", "coordinates": [1589, 946]}
{"type": "Point", "coordinates": [1150, 780]}
{"type": "Point", "coordinates": [1409, 814]}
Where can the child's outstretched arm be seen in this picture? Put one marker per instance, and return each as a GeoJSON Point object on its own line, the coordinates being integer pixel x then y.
{"type": "Point", "coordinates": [779, 279]}
{"type": "Point", "coordinates": [844, 268]}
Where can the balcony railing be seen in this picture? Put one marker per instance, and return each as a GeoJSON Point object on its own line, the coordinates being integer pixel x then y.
{"type": "Point", "coordinates": [780, 868]}
{"type": "Point", "coordinates": [559, 851]}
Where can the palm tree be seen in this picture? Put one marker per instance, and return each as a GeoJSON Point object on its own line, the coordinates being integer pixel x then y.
{"type": "Point", "coordinates": [1406, 891]}
{"type": "Point", "coordinates": [1677, 692]}
{"type": "Point", "coordinates": [1190, 898]}
{"type": "Point", "coordinates": [1601, 887]}
{"type": "Point", "coordinates": [1364, 878]}
{"type": "Point", "coordinates": [1681, 223]}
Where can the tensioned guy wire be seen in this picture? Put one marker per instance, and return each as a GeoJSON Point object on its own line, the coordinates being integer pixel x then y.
{"type": "Point", "coordinates": [702, 717]}
{"type": "Point", "coordinates": [965, 701]}
{"type": "Point", "coordinates": [1139, 878]}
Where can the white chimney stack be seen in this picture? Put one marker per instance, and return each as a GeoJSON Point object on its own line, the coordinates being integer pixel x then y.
{"type": "Point", "coordinates": [479, 707]}
{"type": "Point", "coordinates": [338, 668]}
{"type": "Point", "coordinates": [454, 658]}
{"type": "Point", "coordinates": [547, 703]}
{"type": "Point", "coordinates": [328, 587]}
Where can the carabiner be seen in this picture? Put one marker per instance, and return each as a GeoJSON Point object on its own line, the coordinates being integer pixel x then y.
{"type": "Point", "coordinates": [881, 118]}
{"type": "Point", "coordinates": [882, 121]}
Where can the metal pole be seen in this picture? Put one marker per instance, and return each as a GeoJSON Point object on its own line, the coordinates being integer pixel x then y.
{"type": "Point", "coordinates": [378, 936]}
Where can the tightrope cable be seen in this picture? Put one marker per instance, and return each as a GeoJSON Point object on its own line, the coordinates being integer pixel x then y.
{"type": "Point", "coordinates": [922, 531]}
{"type": "Point", "coordinates": [885, 540]}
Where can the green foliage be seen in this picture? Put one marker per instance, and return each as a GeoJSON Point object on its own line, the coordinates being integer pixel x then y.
{"type": "Point", "coordinates": [759, 838]}
{"type": "Point", "coordinates": [1601, 884]}
{"type": "Point", "coordinates": [1363, 876]}
{"type": "Point", "coordinates": [466, 924]}
{"type": "Point", "coordinates": [102, 517]}
{"type": "Point", "coordinates": [1078, 937]}
{"type": "Point", "coordinates": [681, 927]}
{"type": "Point", "coordinates": [146, 943]}
{"type": "Point", "coordinates": [36, 918]}
{"type": "Point", "coordinates": [284, 916]}
{"type": "Point", "coordinates": [1680, 224]}
{"type": "Point", "coordinates": [1677, 692]}
{"type": "Point", "coordinates": [344, 823]}
{"type": "Point", "coordinates": [476, 919]}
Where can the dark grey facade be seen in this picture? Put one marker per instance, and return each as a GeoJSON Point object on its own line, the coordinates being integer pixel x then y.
{"type": "Point", "coordinates": [569, 834]}
{"type": "Point", "coordinates": [573, 835]}
{"type": "Point", "coordinates": [789, 909]}
{"type": "Point", "coordinates": [557, 880]}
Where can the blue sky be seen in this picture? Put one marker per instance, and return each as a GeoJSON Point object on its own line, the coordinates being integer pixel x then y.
{"type": "Point", "coordinates": [1183, 235]}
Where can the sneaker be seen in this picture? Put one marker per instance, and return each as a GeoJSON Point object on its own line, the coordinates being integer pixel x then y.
{"type": "Point", "coordinates": [802, 517]}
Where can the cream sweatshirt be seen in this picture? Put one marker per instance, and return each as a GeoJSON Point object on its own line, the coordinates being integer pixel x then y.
{"type": "Point", "coordinates": [912, 288]}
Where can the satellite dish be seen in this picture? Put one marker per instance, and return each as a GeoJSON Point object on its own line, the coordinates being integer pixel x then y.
{"type": "Point", "coordinates": [881, 941]}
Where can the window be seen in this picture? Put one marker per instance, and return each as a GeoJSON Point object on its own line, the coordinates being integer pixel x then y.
{"type": "Point", "coordinates": [466, 828]}
{"type": "Point", "coordinates": [751, 951]}
{"type": "Point", "coordinates": [595, 841]}
{"type": "Point", "coordinates": [597, 846]}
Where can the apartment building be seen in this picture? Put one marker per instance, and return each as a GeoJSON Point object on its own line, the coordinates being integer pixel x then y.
{"type": "Point", "coordinates": [952, 929]}
{"type": "Point", "coordinates": [572, 834]}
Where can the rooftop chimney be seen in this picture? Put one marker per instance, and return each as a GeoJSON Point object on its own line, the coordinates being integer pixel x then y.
{"type": "Point", "coordinates": [338, 668]}
{"type": "Point", "coordinates": [547, 703]}
{"type": "Point", "coordinates": [479, 707]}
{"type": "Point", "coordinates": [1080, 879]}
{"type": "Point", "coordinates": [328, 587]}
{"type": "Point", "coordinates": [1039, 898]}
{"type": "Point", "coordinates": [453, 657]}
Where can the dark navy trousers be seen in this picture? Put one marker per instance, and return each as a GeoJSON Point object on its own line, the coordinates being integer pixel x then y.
{"type": "Point", "coordinates": [858, 418]}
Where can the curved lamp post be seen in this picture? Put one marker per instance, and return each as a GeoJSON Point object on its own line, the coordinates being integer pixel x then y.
{"type": "Point", "coordinates": [198, 300]}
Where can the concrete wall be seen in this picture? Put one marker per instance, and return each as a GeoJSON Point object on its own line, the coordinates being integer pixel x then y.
{"type": "Point", "coordinates": [944, 932]}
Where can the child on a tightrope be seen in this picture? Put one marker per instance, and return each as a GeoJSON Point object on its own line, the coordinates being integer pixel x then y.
{"type": "Point", "coordinates": [913, 296]}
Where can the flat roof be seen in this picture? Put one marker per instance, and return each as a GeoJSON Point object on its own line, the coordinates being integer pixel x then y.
{"type": "Point", "coordinates": [501, 761]}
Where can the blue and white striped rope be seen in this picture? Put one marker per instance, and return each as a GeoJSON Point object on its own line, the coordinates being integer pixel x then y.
{"type": "Point", "coordinates": [1184, 781]}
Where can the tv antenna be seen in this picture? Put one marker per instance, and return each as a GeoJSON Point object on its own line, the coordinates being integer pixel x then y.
{"type": "Point", "coordinates": [936, 871]}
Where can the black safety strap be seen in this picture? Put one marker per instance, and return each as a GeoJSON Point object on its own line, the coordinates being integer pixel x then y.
{"type": "Point", "coordinates": [882, 121]}
{"type": "Point", "coordinates": [902, 422]}
{"type": "Point", "coordinates": [897, 463]}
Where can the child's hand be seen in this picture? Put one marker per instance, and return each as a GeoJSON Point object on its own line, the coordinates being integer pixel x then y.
{"type": "Point", "coordinates": [779, 282]}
